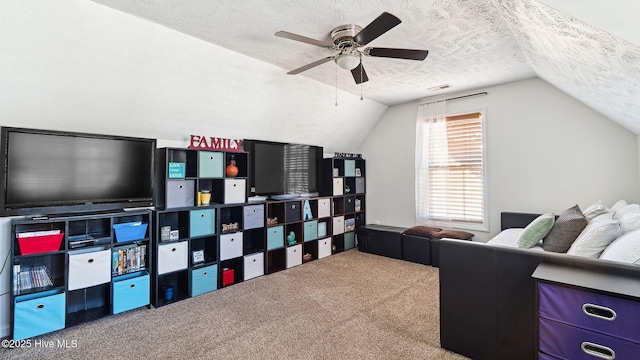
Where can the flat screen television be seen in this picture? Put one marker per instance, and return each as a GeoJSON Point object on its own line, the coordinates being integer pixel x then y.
{"type": "Point", "coordinates": [283, 168]}
{"type": "Point", "coordinates": [51, 172]}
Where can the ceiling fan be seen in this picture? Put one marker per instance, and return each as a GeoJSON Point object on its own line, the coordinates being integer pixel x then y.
{"type": "Point", "coordinates": [348, 39]}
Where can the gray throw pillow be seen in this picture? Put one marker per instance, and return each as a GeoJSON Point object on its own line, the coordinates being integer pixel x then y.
{"type": "Point", "coordinates": [565, 230]}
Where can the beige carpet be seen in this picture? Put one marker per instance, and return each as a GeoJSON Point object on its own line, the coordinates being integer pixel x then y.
{"type": "Point", "coordinates": [351, 305]}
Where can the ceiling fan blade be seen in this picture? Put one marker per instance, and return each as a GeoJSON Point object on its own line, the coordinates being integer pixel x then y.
{"type": "Point", "coordinates": [408, 54]}
{"type": "Point", "coordinates": [357, 72]}
{"type": "Point", "coordinates": [304, 39]}
{"type": "Point", "coordinates": [377, 27]}
{"type": "Point", "coordinates": [309, 66]}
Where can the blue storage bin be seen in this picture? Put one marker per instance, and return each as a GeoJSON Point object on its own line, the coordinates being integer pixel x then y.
{"type": "Point", "coordinates": [38, 314]}
{"type": "Point", "coordinates": [204, 280]}
{"type": "Point", "coordinates": [130, 292]}
{"type": "Point", "coordinates": [130, 231]}
{"type": "Point", "coordinates": [275, 237]}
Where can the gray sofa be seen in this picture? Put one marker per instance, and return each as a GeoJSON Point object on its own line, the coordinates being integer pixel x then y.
{"type": "Point", "coordinates": [488, 304]}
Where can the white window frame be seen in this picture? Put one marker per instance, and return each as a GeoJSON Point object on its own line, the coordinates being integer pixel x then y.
{"type": "Point", "coordinates": [484, 226]}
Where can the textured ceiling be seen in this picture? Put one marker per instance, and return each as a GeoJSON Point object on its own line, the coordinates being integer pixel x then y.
{"type": "Point", "coordinates": [471, 43]}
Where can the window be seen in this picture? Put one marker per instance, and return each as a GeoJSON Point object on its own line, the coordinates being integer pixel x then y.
{"type": "Point", "coordinates": [450, 179]}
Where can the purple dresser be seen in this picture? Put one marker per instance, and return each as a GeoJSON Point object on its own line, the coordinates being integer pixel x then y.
{"type": "Point", "coordinates": [587, 315]}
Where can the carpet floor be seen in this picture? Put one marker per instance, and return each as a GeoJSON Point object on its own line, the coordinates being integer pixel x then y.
{"type": "Point", "coordinates": [350, 305]}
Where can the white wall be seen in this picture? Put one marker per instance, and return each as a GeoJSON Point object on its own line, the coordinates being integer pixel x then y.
{"type": "Point", "coordinates": [80, 66]}
{"type": "Point", "coordinates": [75, 65]}
{"type": "Point", "coordinates": [546, 152]}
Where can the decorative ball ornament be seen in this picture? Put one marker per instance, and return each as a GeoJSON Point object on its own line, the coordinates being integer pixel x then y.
{"type": "Point", "coordinates": [232, 169]}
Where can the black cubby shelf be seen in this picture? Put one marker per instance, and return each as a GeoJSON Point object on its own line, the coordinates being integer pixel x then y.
{"type": "Point", "coordinates": [201, 235]}
{"type": "Point", "coordinates": [70, 269]}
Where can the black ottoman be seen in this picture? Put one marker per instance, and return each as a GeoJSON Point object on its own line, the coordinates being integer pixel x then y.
{"type": "Point", "coordinates": [416, 249]}
{"type": "Point", "coordinates": [381, 240]}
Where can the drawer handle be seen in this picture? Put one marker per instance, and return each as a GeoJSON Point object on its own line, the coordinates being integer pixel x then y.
{"type": "Point", "coordinates": [231, 239]}
{"type": "Point", "coordinates": [40, 307]}
{"type": "Point", "coordinates": [202, 216]}
{"type": "Point", "coordinates": [204, 273]}
{"type": "Point", "coordinates": [598, 351]}
{"type": "Point", "coordinates": [180, 187]}
{"type": "Point", "coordinates": [211, 157]}
{"type": "Point", "coordinates": [90, 261]}
{"type": "Point", "coordinates": [294, 250]}
{"type": "Point", "coordinates": [254, 260]}
{"type": "Point", "coordinates": [599, 312]}
{"type": "Point", "coordinates": [174, 249]}
{"type": "Point", "coordinates": [132, 286]}
{"type": "Point", "coordinates": [293, 206]}
{"type": "Point", "coordinates": [234, 185]}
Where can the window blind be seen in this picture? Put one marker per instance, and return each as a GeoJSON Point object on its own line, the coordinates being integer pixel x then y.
{"type": "Point", "coordinates": [456, 178]}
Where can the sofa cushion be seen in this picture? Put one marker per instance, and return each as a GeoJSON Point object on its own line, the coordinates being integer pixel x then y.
{"type": "Point", "coordinates": [596, 236]}
{"type": "Point", "coordinates": [536, 230]}
{"type": "Point", "coordinates": [565, 230]}
{"type": "Point", "coordinates": [426, 231]}
{"type": "Point", "coordinates": [454, 234]}
{"type": "Point", "coordinates": [626, 248]}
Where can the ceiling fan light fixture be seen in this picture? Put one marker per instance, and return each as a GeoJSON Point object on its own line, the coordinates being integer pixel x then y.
{"type": "Point", "coordinates": [348, 61]}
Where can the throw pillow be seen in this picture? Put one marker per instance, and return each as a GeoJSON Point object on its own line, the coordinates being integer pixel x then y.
{"type": "Point", "coordinates": [426, 231]}
{"type": "Point", "coordinates": [629, 217]}
{"type": "Point", "coordinates": [536, 230]}
{"type": "Point", "coordinates": [565, 230]}
{"type": "Point", "coordinates": [454, 234]}
{"type": "Point", "coordinates": [596, 236]}
{"type": "Point", "coordinates": [625, 249]}
{"type": "Point", "coordinates": [594, 210]}
{"type": "Point", "coordinates": [618, 205]}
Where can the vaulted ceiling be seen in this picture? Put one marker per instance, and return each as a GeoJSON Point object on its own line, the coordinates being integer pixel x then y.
{"type": "Point", "coordinates": [472, 44]}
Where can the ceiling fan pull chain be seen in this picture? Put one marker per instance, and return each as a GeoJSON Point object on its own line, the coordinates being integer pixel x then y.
{"type": "Point", "coordinates": [336, 84]}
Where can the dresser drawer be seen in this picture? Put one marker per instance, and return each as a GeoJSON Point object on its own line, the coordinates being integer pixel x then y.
{"type": "Point", "coordinates": [275, 237]}
{"type": "Point", "coordinates": [211, 164]}
{"type": "Point", "coordinates": [130, 292]}
{"type": "Point", "coordinates": [338, 186]}
{"type": "Point", "coordinates": [253, 265]}
{"type": "Point", "coordinates": [310, 230]}
{"type": "Point", "coordinates": [338, 225]}
{"type": "Point", "coordinates": [253, 216]}
{"type": "Point", "coordinates": [294, 255]}
{"type": "Point", "coordinates": [204, 280]}
{"type": "Point", "coordinates": [202, 222]}
{"type": "Point", "coordinates": [88, 269]}
{"type": "Point", "coordinates": [569, 342]}
{"type": "Point", "coordinates": [543, 356]}
{"type": "Point", "coordinates": [235, 191]}
{"type": "Point", "coordinates": [324, 248]}
{"type": "Point", "coordinates": [230, 246]}
{"type": "Point", "coordinates": [180, 193]}
{"type": "Point", "coordinates": [607, 314]}
{"type": "Point", "coordinates": [324, 207]}
{"type": "Point", "coordinates": [37, 314]}
{"type": "Point", "coordinates": [172, 257]}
